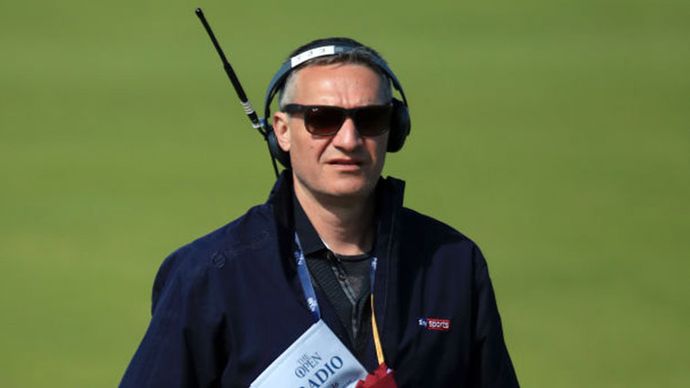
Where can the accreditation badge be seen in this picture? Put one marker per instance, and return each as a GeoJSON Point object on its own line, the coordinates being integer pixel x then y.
{"type": "Point", "coordinates": [317, 359]}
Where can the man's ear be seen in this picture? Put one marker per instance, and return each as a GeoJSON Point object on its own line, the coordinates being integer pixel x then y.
{"type": "Point", "coordinates": [281, 129]}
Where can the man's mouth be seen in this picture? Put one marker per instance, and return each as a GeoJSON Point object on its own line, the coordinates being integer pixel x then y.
{"type": "Point", "coordinates": [345, 162]}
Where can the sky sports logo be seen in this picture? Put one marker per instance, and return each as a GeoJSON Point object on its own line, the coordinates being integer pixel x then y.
{"type": "Point", "coordinates": [435, 324]}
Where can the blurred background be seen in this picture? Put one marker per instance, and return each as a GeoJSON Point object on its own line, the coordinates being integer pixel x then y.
{"type": "Point", "coordinates": [554, 133]}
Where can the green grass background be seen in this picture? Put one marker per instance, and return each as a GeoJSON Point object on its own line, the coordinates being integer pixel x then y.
{"type": "Point", "coordinates": [554, 133]}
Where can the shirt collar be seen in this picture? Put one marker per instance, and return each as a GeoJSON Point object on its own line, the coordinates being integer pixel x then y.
{"type": "Point", "coordinates": [308, 238]}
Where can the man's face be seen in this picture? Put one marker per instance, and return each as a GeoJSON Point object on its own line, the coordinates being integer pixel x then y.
{"type": "Point", "coordinates": [345, 165]}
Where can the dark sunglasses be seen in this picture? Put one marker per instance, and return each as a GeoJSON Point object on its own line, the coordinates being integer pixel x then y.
{"type": "Point", "coordinates": [326, 120]}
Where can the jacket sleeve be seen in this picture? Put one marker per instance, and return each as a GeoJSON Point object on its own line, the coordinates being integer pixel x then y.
{"type": "Point", "coordinates": [492, 366]}
{"type": "Point", "coordinates": [178, 349]}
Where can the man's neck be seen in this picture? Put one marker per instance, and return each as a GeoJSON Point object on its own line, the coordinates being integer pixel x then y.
{"type": "Point", "coordinates": [345, 226]}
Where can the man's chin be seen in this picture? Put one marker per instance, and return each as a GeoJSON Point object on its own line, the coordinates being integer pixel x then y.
{"type": "Point", "coordinates": [354, 189]}
{"type": "Point", "coordinates": [343, 188]}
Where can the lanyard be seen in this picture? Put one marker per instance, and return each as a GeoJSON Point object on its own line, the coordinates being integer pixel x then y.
{"type": "Point", "coordinates": [305, 281]}
{"type": "Point", "coordinates": [313, 304]}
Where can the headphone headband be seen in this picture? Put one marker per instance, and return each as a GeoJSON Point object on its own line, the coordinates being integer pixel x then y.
{"type": "Point", "coordinates": [321, 51]}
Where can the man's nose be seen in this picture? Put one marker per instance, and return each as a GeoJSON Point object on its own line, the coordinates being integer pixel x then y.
{"type": "Point", "coordinates": [347, 138]}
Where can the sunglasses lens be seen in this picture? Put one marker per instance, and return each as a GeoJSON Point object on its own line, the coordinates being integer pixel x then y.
{"type": "Point", "coordinates": [324, 120]}
{"type": "Point", "coordinates": [373, 120]}
{"type": "Point", "coordinates": [327, 120]}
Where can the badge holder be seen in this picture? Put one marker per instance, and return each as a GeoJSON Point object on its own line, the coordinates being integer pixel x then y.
{"type": "Point", "coordinates": [316, 359]}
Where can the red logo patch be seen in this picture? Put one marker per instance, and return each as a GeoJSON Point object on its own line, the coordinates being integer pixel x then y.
{"type": "Point", "coordinates": [435, 324]}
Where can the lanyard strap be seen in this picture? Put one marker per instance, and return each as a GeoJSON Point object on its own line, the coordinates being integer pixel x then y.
{"type": "Point", "coordinates": [375, 331]}
{"type": "Point", "coordinates": [313, 304]}
{"type": "Point", "coordinates": [305, 281]}
{"type": "Point", "coordinates": [374, 326]}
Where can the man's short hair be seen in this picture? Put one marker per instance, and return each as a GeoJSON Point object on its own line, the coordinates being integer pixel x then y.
{"type": "Point", "coordinates": [360, 55]}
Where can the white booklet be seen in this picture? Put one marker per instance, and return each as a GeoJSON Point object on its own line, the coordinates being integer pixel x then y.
{"type": "Point", "coordinates": [316, 359]}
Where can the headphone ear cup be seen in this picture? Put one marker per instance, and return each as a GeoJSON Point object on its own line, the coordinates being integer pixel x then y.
{"type": "Point", "coordinates": [273, 146]}
{"type": "Point", "coordinates": [400, 126]}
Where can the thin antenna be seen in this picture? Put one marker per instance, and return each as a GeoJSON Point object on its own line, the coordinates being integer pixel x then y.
{"type": "Point", "coordinates": [244, 101]}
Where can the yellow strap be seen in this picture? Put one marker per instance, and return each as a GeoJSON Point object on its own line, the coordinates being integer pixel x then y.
{"type": "Point", "coordinates": [375, 330]}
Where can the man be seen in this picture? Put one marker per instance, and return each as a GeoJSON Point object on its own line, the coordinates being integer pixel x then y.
{"type": "Point", "coordinates": [397, 288]}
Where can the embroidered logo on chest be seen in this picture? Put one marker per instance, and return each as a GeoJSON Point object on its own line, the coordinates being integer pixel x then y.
{"type": "Point", "coordinates": [437, 324]}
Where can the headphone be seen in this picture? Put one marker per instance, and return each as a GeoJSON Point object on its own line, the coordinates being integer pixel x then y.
{"type": "Point", "coordinates": [400, 117]}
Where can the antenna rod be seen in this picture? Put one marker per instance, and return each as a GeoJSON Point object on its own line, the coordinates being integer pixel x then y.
{"type": "Point", "coordinates": [248, 109]}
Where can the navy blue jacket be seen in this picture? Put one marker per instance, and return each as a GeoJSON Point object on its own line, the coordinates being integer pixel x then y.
{"type": "Point", "coordinates": [226, 305]}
